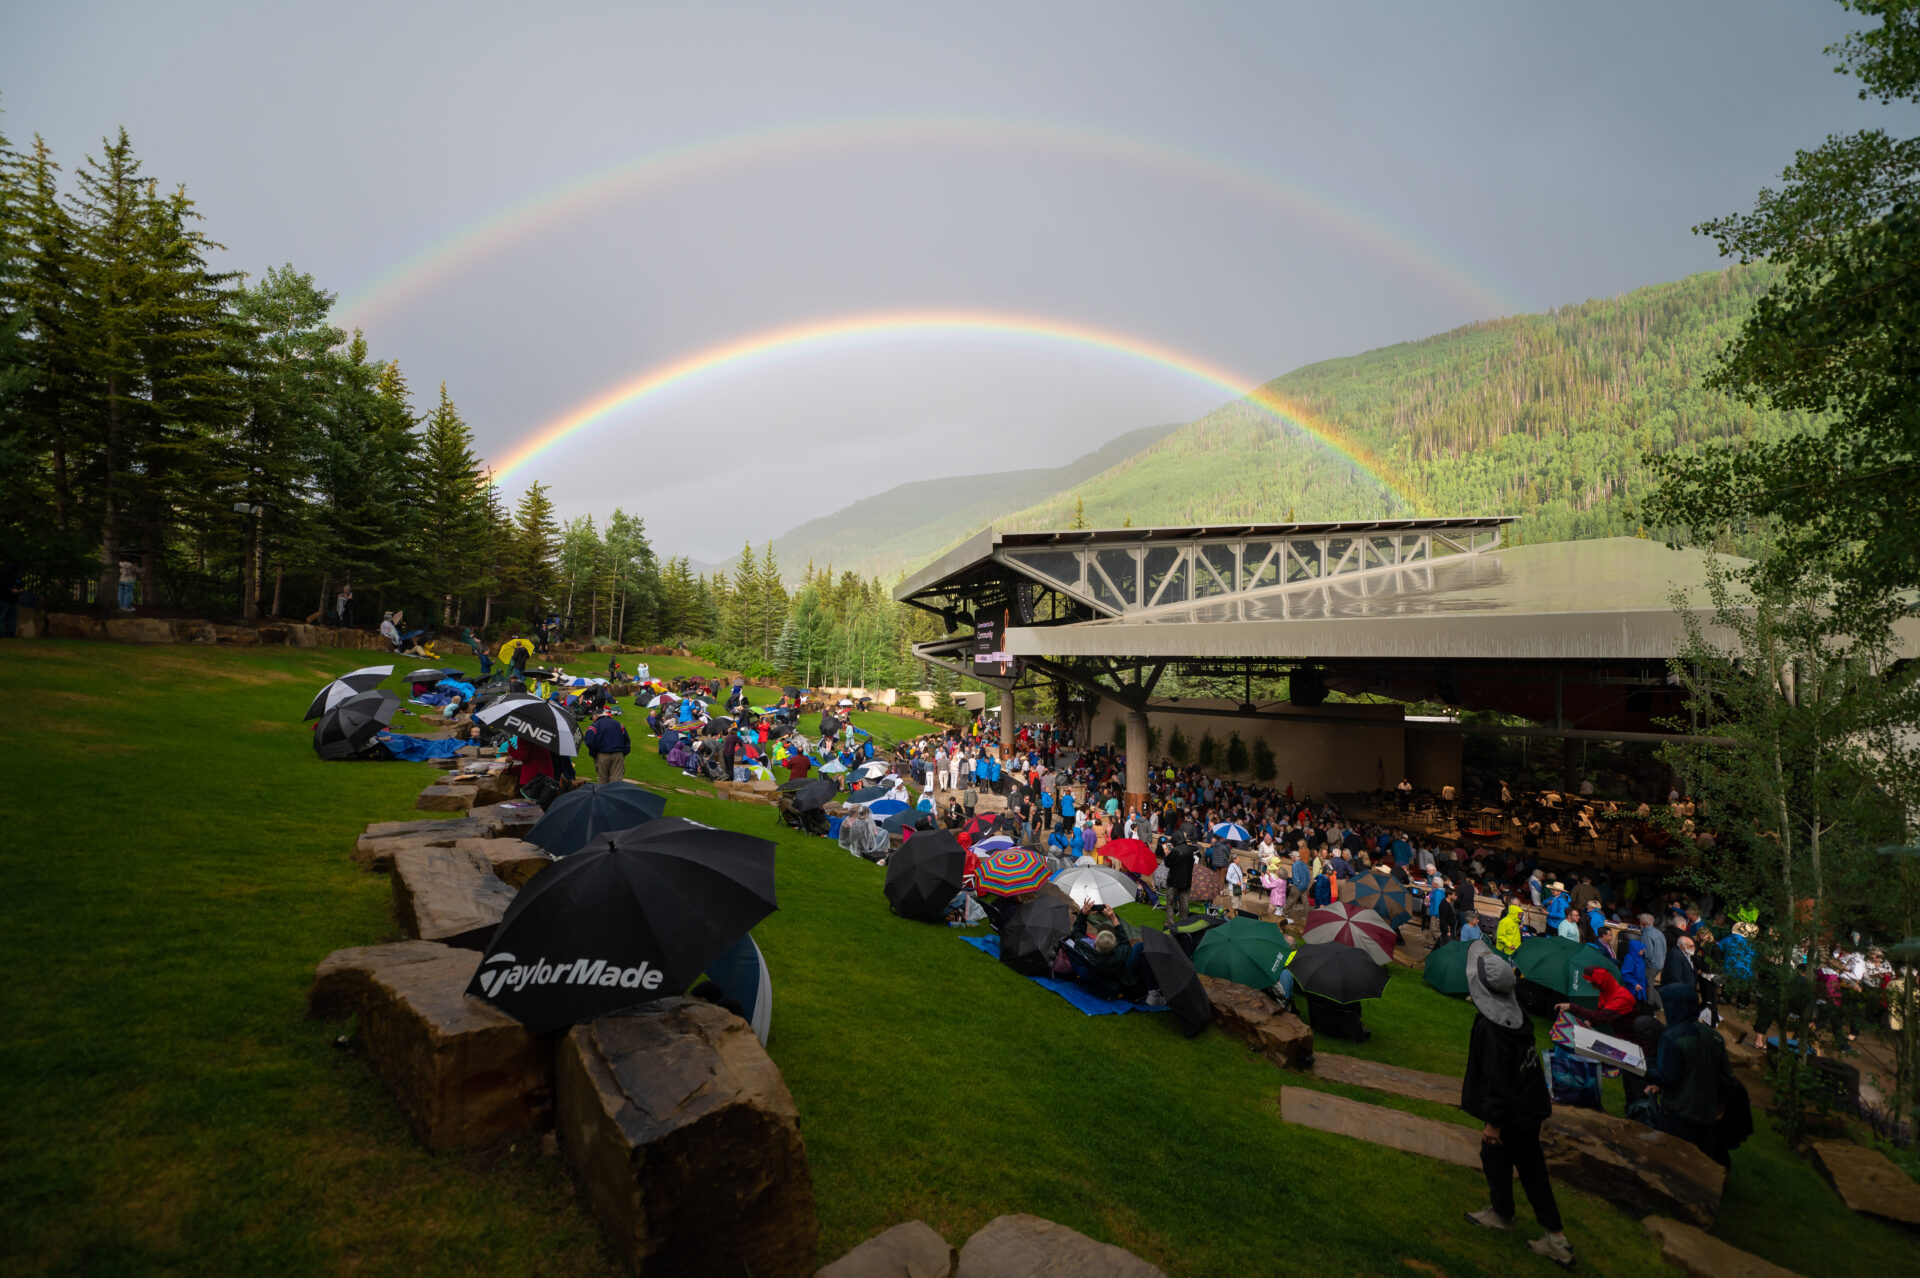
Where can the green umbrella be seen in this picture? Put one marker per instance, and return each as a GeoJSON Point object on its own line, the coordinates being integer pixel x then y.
{"type": "Point", "coordinates": [1250, 952]}
{"type": "Point", "coordinates": [1556, 963]}
{"type": "Point", "coordinates": [1447, 968]}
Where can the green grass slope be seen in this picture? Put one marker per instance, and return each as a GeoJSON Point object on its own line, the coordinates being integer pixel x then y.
{"type": "Point", "coordinates": [1545, 416]}
{"type": "Point", "coordinates": [879, 535]}
{"type": "Point", "coordinates": [177, 863]}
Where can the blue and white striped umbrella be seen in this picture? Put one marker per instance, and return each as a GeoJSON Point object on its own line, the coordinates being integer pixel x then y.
{"type": "Point", "coordinates": [1228, 830]}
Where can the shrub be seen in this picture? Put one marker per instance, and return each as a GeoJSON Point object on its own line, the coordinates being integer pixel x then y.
{"type": "Point", "coordinates": [1208, 755]}
{"type": "Point", "coordinates": [1236, 756]}
{"type": "Point", "coordinates": [1180, 748]}
{"type": "Point", "coordinates": [1263, 763]}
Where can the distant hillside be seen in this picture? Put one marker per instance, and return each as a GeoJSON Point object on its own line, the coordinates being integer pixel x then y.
{"type": "Point", "coordinates": [1546, 416]}
{"type": "Point", "coordinates": [907, 525]}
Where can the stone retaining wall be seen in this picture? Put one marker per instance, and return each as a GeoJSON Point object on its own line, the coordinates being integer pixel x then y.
{"type": "Point", "coordinates": [35, 624]}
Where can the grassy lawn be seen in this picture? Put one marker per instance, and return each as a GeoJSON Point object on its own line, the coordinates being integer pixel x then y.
{"type": "Point", "coordinates": [177, 863]}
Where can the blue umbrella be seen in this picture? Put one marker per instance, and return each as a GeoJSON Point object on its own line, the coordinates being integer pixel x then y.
{"type": "Point", "coordinates": [886, 807]}
{"type": "Point", "coordinates": [1228, 830]}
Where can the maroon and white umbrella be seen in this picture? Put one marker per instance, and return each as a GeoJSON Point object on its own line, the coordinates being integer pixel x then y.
{"type": "Point", "coordinates": [1352, 925]}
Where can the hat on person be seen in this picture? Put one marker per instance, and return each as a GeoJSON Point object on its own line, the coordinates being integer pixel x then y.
{"type": "Point", "coordinates": [1556, 886]}
{"type": "Point", "coordinates": [1490, 984]}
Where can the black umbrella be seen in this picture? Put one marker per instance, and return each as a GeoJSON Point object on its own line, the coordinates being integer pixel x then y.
{"type": "Point", "coordinates": [347, 685]}
{"type": "Point", "coordinates": [791, 692]}
{"type": "Point", "coordinates": [778, 730]}
{"type": "Point", "coordinates": [925, 874]}
{"type": "Point", "coordinates": [1338, 973]}
{"type": "Point", "coordinates": [348, 729]}
{"type": "Point", "coordinates": [1030, 939]}
{"type": "Point", "coordinates": [428, 675]}
{"type": "Point", "coordinates": [667, 741]}
{"type": "Point", "coordinates": [585, 816]}
{"type": "Point", "coordinates": [793, 785]}
{"type": "Point", "coordinates": [717, 726]}
{"type": "Point", "coordinates": [637, 919]}
{"type": "Point", "coordinates": [868, 793]}
{"type": "Point", "coordinates": [814, 795]}
{"type": "Point", "coordinates": [906, 818]}
{"type": "Point", "coordinates": [1178, 983]}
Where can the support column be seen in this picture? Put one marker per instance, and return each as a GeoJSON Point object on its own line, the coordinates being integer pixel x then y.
{"type": "Point", "coordinates": [1006, 725]}
{"type": "Point", "coordinates": [1137, 762]}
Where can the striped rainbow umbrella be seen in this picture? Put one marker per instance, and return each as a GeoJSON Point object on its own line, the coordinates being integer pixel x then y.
{"type": "Point", "coordinates": [1010, 872]}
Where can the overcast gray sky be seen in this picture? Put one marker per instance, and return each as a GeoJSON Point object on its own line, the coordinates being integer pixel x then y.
{"type": "Point", "coordinates": [1248, 187]}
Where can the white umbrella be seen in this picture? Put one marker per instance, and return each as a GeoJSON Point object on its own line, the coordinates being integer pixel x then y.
{"type": "Point", "coordinates": [833, 765]}
{"type": "Point", "coordinates": [1096, 883]}
{"type": "Point", "coordinates": [873, 768]}
{"type": "Point", "coordinates": [662, 699]}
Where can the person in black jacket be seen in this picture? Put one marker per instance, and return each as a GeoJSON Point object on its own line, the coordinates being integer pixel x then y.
{"type": "Point", "coordinates": [1506, 1089]}
{"type": "Point", "coordinates": [1179, 880]}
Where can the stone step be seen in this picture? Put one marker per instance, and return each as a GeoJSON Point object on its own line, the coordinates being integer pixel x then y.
{"type": "Point", "coordinates": [1019, 1246]}
{"type": "Point", "coordinates": [375, 849]}
{"type": "Point", "coordinates": [341, 981]}
{"type": "Point", "coordinates": [1867, 1181]}
{"type": "Point", "coordinates": [445, 798]}
{"type": "Point", "coordinates": [513, 860]}
{"type": "Point", "coordinates": [687, 1142]}
{"type": "Point", "coordinates": [912, 1250]}
{"type": "Point", "coordinates": [449, 894]}
{"type": "Point", "coordinates": [510, 819]}
{"type": "Point", "coordinates": [1701, 1254]}
{"type": "Point", "coordinates": [1378, 1125]}
{"type": "Point", "coordinates": [1630, 1165]}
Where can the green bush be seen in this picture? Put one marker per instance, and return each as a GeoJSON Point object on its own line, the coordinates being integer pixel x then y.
{"type": "Point", "coordinates": [1120, 734]}
{"type": "Point", "coordinates": [1236, 756]}
{"type": "Point", "coordinates": [1180, 748]}
{"type": "Point", "coordinates": [1208, 756]}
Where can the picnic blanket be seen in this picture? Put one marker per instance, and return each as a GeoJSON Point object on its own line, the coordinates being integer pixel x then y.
{"type": "Point", "coordinates": [1069, 990]}
{"type": "Point", "coordinates": [419, 749]}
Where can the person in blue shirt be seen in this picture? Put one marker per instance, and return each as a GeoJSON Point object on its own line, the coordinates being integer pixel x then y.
{"type": "Point", "coordinates": [1558, 902]}
{"type": "Point", "coordinates": [1066, 806]}
{"type": "Point", "coordinates": [607, 741]}
{"type": "Point", "coordinates": [1322, 891]}
{"type": "Point", "coordinates": [1046, 808]}
{"type": "Point", "coordinates": [1470, 930]}
{"type": "Point", "coordinates": [1060, 843]}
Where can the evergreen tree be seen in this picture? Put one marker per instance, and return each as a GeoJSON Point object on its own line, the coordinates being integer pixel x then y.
{"type": "Point", "coordinates": [535, 547]}
{"type": "Point", "coordinates": [449, 497]}
{"type": "Point", "coordinates": [1236, 756]}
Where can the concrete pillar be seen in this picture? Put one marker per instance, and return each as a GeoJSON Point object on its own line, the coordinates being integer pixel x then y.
{"type": "Point", "coordinates": [1137, 761]}
{"type": "Point", "coordinates": [1006, 724]}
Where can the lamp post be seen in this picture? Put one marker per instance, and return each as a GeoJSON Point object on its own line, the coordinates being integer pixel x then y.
{"type": "Point", "coordinates": [250, 603]}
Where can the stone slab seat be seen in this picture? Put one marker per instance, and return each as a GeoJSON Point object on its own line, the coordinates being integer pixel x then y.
{"type": "Point", "coordinates": [1378, 1125]}
{"type": "Point", "coordinates": [509, 818]}
{"type": "Point", "coordinates": [687, 1142]}
{"type": "Point", "coordinates": [445, 798]}
{"type": "Point", "coordinates": [1699, 1253]}
{"type": "Point", "coordinates": [1867, 1180]}
{"type": "Point", "coordinates": [513, 860]}
{"type": "Point", "coordinates": [449, 894]}
{"type": "Point", "coordinates": [1624, 1162]}
{"type": "Point", "coordinates": [912, 1250]}
{"type": "Point", "coordinates": [1256, 1020]}
{"type": "Point", "coordinates": [465, 1075]}
{"type": "Point", "coordinates": [375, 848]}
{"type": "Point", "coordinates": [1019, 1246]}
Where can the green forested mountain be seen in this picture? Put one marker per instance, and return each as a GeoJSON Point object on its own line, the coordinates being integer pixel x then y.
{"type": "Point", "coordinates": [1545, 416]}
{"type": "Point", "coordinates": [913, 522]}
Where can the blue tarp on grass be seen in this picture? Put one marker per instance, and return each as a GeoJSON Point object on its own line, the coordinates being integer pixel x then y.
{"type": "Point", "coordinates": [1069, 990]}
{"type": "Point", "coordinates": [419, 749]}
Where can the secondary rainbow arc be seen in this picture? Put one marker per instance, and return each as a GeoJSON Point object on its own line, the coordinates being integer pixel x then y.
{"type": "Point", "coordinates": [472, 240]}
{"type": "Point", "coordinates": [899, 325]}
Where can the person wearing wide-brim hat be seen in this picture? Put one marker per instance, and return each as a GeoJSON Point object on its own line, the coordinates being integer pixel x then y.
{"type": "Point", "coordinates": [1506, 1089]}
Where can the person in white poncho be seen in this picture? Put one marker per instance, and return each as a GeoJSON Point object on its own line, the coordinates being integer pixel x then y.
{"type": "Point", "coordinates": [861, 836]}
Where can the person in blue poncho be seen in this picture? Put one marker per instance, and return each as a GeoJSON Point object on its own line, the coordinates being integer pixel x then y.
{"type": "Point", "coordinates": [1066, 807]}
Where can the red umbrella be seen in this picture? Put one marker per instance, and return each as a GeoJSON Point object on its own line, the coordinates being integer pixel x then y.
{"type": "Point", "coordinates": [1133, 856]}
{"type": "Point", "coordinates": [1351, 925]}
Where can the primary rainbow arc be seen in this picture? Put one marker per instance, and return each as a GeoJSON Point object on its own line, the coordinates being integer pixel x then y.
{"type": "Point", "coordinates": [894, 325]}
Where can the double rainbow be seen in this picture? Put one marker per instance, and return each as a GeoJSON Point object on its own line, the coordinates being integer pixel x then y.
{"type": "Point", "coordinates": [852, 330]}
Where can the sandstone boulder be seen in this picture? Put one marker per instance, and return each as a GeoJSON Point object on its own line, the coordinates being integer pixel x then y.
{"type": "Point", "coordinates": [687, 1141]}
{"type": "Point", "coordinates": [1632, 1166]}
{"type": "Point", "coordinates": [449, 894]}
{"type": "Point", "coordinates": [513, 860]}
{"type": "Point", "coordinates": [911, 1250]}
{"type": "Point", "coordinates": [1868, 1181]}
{"type": "Point", "coordinates": [510, 819]}
{"type": "Point", "coordinates": [242, 636]}
{"type": "Point", "coordinates": [301, 635]}
{"type": "Point", "coordinates": [1701, 1254]}
{"type": "Point", "coordinates": [465, 1075]}
{"type": "Point", "coordinates": [194, 632]}
{"type": "Point", "coordinates": [376, 846]}
{"type": "Point", "coordinates": [139, 630]}
{"type": "Point", "coordinates": [341, 981]}
{"type": "Point", "coordinates": [445, 798]}
{"type": "Point", "coordinates": [1260, 1023]}
{"type": "Point", "coordinates": [74, 625]}
{"type": "Point", "coordinates": [1029, 1247]}
{"type": "Point", "coordinates": [31, 623]}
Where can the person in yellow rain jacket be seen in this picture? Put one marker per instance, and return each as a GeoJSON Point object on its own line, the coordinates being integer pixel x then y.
{"type": "Point", "coordinates": [1506, 936]}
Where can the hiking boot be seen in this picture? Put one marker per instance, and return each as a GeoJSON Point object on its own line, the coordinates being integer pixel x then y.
{"type": "Point", "coordinates": [1488, 1218]}
{"type": "Point", "coordinates": [1558, 1250]}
